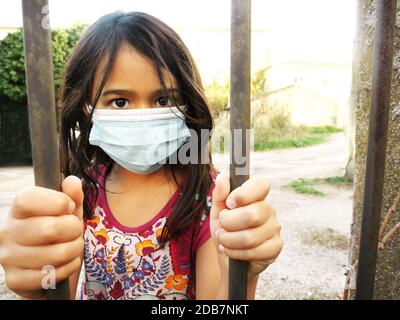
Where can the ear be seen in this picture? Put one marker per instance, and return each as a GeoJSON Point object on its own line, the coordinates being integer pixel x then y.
{"type": "Point", "coordinates": [87, 109]}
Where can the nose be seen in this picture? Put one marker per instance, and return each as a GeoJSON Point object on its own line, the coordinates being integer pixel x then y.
{"type": "Point", "coordinates": [142, 104]}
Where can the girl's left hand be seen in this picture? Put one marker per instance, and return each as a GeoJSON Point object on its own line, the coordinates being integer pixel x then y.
{"type": "Point", "coordinates": [244, 225]}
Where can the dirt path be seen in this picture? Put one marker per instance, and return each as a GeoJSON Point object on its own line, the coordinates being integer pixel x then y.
{"type": "Point", "coordinates": [315, 229]}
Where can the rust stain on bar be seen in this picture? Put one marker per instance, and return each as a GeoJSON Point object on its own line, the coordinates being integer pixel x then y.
{"type": "Point", "coordinates": [41, 105]}
{"type": "Point", "coordinates": [376, 154]}
{"type": "Point", "coordinates": [239, 122]}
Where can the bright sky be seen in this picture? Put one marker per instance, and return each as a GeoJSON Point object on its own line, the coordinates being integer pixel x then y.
{"type": "Point", "coordinates": [308, 29]}
{"type": "Point", "coordinates": [313, 16]}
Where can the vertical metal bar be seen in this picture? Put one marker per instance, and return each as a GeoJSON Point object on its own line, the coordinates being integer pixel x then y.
{"type": "Point", "coordinates": [41, 105]}
{"type": "Point", "coordinates": [239, 122]}
{"type": "Point", "coordinates": [376, 154]}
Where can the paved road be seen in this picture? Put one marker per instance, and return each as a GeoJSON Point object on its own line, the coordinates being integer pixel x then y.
{"type": "Point", "coordinates": [303, 271]}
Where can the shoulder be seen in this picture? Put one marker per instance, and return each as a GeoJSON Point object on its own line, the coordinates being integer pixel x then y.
{"type": "Point", "coordinates": [92, 192]}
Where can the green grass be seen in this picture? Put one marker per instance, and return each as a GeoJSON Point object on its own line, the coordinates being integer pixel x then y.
{"type": "Point", "coordinates": [324, 130]}
{"type": "Point", "coordinates": [284, 144]}
{"type": "Point", "coordinates": [338, 181]}
{"type": "Point", "coordinates": [291, 137]}
{"type": "Point", "coordinates": [306, 186]}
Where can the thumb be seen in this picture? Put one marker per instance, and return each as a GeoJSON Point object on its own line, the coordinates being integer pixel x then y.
{"type": "Point", "coordinates": [72, 187]}
{"type": "Point", "coordinates": [219, 195]}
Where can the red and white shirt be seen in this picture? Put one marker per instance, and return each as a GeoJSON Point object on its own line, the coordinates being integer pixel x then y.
{"type": "Point", "coordinates": [127, 262]}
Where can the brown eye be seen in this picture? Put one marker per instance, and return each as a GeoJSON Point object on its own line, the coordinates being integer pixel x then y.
{"type": "Point", "coordinates": [120, 103]}
{"type": "Point", "coordinates": [164, 102]}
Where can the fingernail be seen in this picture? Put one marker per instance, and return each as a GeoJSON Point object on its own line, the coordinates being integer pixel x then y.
{"type": "Point", "coordinates": [231, 203]}
{"type": "Point", "coordinates": [221, 248]}
{"type": "Point", "coordinates": [217, 233]}
{"type": "Point", "coordinates": [71, 207]}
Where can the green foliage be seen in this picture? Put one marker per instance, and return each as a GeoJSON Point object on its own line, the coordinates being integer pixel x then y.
{"type": "Point", "coordinates": [274, 130]}
{"type": "Point", "coordinates": [12, 73]}
{"type": "Point", "coordinates": [258, 84]}
{"type": "Point", "coordinates": [218, 96]}
{"type": "Point", "coordinates": [218, 93]}
{"type": "Point", "coordinates": [12, 64]}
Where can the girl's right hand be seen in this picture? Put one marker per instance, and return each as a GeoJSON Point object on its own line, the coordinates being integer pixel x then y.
{"type": "Point", "coordinates": [44, 228]}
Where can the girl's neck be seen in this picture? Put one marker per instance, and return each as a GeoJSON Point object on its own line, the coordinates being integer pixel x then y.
{"type": "Point", "coordinates": [127, 180]}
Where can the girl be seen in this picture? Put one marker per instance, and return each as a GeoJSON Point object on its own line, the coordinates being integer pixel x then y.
{"type": "Point", "coordinates": [152, 225]}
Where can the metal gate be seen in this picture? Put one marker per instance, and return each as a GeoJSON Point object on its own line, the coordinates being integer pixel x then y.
{"type": "Point", "coordinates": [42, 116]}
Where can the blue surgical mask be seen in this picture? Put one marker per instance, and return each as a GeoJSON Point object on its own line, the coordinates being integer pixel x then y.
{"type": "Point", "coordinates": [139, 140]}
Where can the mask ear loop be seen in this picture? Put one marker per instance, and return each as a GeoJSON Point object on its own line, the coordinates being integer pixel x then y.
{"type": "Point", "coordinates": [89, 108]}
{"type": "Point", "coordinates": [182, 109]}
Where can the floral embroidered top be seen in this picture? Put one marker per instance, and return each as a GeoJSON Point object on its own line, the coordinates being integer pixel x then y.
{"type": "Point", "coordinates": [126, 262]}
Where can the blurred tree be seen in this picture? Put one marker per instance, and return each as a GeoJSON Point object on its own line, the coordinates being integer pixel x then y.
{"type": "Point", "coordinates": [12, 65]}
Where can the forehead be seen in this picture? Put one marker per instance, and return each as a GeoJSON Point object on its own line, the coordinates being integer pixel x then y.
{"type": "Point", "coordinates": [133, 70]}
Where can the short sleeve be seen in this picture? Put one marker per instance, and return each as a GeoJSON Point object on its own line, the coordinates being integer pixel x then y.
{"type": "Point", "coordinates": [204, 232]}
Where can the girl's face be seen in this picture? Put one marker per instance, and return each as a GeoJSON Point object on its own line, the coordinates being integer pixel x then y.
{"type": "Point", "coordinates": [134, 83]}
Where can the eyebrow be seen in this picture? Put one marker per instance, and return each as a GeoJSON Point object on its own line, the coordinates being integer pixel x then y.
{"type": "Point", "coordinates": [125, 92]}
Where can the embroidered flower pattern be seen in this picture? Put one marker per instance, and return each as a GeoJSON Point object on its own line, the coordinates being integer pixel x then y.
{"type": "Point", "coordinates": [176, 281]}
{"type": "Point", "coordinates": [145, 248]}
{"type": "Point", "coordinates": [128, 266]}
{"type": "Point", "coordinates": [132, 265]}
{"type": "Point", "coordinates": [102, 236]}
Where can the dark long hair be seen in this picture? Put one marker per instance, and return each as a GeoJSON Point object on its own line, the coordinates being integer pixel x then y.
{"type": "Point", "coordinates": [160, 43]}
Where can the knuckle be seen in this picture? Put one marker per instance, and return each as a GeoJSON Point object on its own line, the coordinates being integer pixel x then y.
{"type": "Point", "coordinates": [267, 207]}
{"type": "Point", "coordinates": [266, 183]}
{"type": "Point", "coordinates": [70, 251]}
{"type": "Point", "coordinates": [50, 230]}
{"type": "Point", "coordinates": [4, 231]}
{"type": "Point", "coordinates": [61, 273]}
{"type": "Point", "coordinates": [5, 256]}
{"type": "Point", "coordinates": [278, 228]}
{"type": "Point", "coordinates": [223, 218]}
{"type": "Point", "coordinates": [77, 264]}
{"type": "Point", "coordinates": [263, 182]}
{"type": "Point", "coordinates": [66, 270]}
{"type": "Point", "coordinates": [255, 218]}
{"type": "Point", "coordinates": [62, 202]}
{"type": "Point", "coordinates": [77, 226]}
{"type": "Point", "coordinates": [280, 244]}
{"type": "Point", "coordinates": [20, 202]}
{"type": "Point", "coordinates": [250, 255]}
{"type": "Point", "coordinates": [13, 281]}
{"type": "Point", "coordinates": [63, 254]}
{"type": "Point", "coordinates": [247, 239]}
{"type": "Point", "coordinates": [237, 194]}
{"type": "Point", "coordinates": [80, 245]}
{"type": "Point", "coordinates": [271, 209]}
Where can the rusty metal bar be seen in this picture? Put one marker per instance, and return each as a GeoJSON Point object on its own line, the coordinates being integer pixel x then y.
{"type": "Point", "coordinates": [41, 105]}
{"type": "Point", "coordinates": [376, 154]}
{"type": "Point", "coordinates": [239, 122]}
